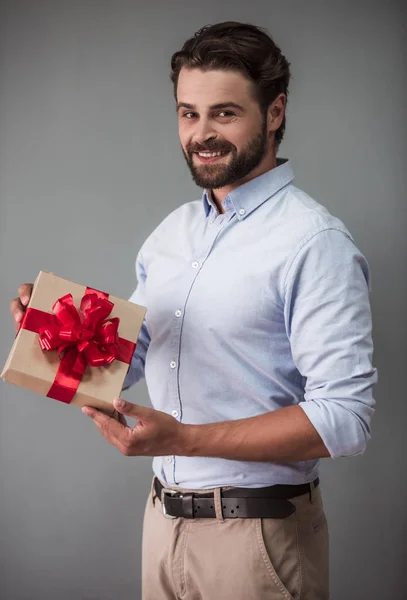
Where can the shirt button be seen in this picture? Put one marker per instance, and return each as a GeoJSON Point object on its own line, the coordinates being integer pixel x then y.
{"type": "Point", "coordinates": [175, 413]}
{"type": "Point", "coordinates": [242, 211]}
{"type": "Point", "coordinates": [168, 459]}
{"type": "Point", "coordinates": [195, 264]}
{"type": "Point", "coordinates": [178, 313]}
{"type": "Point", "coordinates": [173, 364]}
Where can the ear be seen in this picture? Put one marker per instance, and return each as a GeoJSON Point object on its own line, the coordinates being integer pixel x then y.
{"type": "Point", "coordinates": [276, 112]}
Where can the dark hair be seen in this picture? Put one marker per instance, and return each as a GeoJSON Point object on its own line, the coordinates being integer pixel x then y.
{"type": "Point", "coordinates": [240, 47]}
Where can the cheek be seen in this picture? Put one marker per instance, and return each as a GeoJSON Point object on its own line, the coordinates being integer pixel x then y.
{"type": "Point", "coordinates": [184, 136]}
{"type": "Point", "coordinates": [241, 136]}
{"type": "Point", "coordinates": [236, 134]}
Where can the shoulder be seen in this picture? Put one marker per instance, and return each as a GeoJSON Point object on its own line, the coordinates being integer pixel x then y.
{"type": "Point", "coordinates": [315, 235]}
{"type": "Point", "coordinates": [306, 217]}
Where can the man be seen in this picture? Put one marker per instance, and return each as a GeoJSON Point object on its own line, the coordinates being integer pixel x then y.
{"type": "Point", "coordinates": [256, 346]}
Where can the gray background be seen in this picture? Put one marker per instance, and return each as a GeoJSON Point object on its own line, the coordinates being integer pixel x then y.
{"type": "Point", "coordinates": [89, 165]}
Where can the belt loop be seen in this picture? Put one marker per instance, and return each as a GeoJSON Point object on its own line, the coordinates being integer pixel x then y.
{"type": "Point", "coordinates": [153, 492]}
{"type": "Point", "coordinates": [311, 492]}
{"type": "Point", "coordinates": [218, 504]}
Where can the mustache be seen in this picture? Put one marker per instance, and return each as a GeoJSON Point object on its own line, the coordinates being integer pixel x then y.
{"type": "Point", "coordinates": [209, 147]}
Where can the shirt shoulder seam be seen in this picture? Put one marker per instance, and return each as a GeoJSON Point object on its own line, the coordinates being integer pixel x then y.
{"type": "Point", "coordinates": [303, 242]}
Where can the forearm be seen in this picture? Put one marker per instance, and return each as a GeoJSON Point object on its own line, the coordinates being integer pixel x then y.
{"type": "Point", "coordinates": [284, 435]}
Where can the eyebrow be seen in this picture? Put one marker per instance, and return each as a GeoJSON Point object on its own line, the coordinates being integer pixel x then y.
{"type": "Point", "coordinates": [212, 107]}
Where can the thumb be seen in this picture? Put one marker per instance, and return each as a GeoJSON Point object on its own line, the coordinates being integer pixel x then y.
{"type": "Point", "coordinates": [132, 410]}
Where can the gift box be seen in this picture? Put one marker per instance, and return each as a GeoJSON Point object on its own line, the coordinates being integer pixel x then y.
{"type": "Point", "coordinates": [74, 343]}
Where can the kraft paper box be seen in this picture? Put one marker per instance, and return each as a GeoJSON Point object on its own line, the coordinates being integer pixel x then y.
{"type": "Point", "coordinates": [75, 382]}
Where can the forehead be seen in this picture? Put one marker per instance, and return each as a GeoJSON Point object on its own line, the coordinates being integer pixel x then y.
{"type": "Point", "coordinates": [202, 88]}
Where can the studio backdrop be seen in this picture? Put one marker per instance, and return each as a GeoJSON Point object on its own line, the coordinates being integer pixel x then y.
{"type": "Point", "coordinates": [90, 163]}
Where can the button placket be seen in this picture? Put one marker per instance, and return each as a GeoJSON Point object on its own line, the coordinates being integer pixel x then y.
{"type": "Point", "coordinates": [174, 398]}
{"type": "Point", "coordinates": [179, 315]}
{"type": "Point", "coordinates": [169, 462]}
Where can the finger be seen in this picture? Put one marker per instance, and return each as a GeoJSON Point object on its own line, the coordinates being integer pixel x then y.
{"type": "Point", "coordinates": [109, 412]}
{"type": "Point", "coordinates": [24, 293]}
{"type": "Point", "coordinates": [119, 417]}
{"type": "Point", "coordinates": [113, 431]}
{"type": "Point", "coordinates": [115, 415]}
{"type": "Point", "coordinates": [133, 410]}
{"type": "Point", "coordinates": [17, 310]}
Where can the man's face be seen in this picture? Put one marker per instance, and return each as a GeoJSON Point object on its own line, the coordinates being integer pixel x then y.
{"type": "Point", "coordinates": [222, 131]}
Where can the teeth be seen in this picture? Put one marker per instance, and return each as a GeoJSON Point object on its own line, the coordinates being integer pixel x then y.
{"type": "Point", "coordinates": [209, 154]}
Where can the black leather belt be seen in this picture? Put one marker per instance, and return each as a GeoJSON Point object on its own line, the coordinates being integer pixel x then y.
{"type": "Point", "coordinates": [267, 502]}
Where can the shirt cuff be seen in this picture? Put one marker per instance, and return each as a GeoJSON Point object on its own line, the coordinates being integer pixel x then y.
{"type": "Point", "coordinates": [341, 429]}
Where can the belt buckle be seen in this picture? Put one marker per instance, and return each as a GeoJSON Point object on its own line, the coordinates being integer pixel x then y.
{"type": "Point", "coordinates": [167, 492]}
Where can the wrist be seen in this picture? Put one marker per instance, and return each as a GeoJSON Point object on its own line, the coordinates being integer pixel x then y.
{"type": "Point", "coordinates": [188, 441]}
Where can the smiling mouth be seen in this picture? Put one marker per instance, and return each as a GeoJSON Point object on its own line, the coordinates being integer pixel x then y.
{"type": "Point", "coordinates": [211, 156]}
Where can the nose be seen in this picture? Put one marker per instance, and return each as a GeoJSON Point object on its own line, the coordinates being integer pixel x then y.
{"type": "Point", "coordinates": [204, 131]}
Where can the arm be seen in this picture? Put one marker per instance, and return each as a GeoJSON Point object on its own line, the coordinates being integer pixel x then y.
{"type": "Point", "coordinates": [284, 435]}
{"type": "Point", "coordinates": [329, 324]}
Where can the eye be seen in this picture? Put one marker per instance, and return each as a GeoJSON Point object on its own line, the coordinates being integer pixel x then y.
{"type": "Point", "coordinates": [189, 115]}
{"type": "Point", "coordinates": [226, 113]}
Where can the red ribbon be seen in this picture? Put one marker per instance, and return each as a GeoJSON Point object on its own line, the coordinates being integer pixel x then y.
{"type": "Point", "coordinates": [82, 337]}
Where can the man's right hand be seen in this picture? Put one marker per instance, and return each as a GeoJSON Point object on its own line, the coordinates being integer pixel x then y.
{"type": "Point", "coordinates": [19, 305]}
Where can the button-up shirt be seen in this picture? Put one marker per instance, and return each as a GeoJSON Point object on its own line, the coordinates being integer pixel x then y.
{"type": "Point", "coordinates": [248, 311]}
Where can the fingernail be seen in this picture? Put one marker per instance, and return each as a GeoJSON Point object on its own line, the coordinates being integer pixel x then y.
{"type": "Point", "coordinates": [17, 317]}
{"type": "Point", "coordinates": [120, 402]}
{"type": "Point", "coordinates": [25, 300]}
{"type": "Point", "coordinates": [86, 411]}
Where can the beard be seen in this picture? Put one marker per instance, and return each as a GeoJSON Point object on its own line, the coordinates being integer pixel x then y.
{"type": "Point", "coordinates": [239, 165]}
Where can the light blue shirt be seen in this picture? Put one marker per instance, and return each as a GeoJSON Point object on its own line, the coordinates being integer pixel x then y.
{"type": "Point", "coordinates": [262, 307]}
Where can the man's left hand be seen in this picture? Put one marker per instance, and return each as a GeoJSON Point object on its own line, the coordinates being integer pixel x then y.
{"type": "Point", "coordinates": [155, 434]}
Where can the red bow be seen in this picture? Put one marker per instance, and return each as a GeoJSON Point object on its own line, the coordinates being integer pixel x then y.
{"type": "Point", "coordinates": [84, 337]}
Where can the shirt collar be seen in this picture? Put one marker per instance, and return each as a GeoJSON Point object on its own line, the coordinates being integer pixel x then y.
{"type": "Point", "coordinates": [250, 195]}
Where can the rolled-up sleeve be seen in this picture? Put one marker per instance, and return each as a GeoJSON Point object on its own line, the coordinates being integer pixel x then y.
{"type": "Point", "coordinates": [136, 368]}
{"type": "Point", "coordinates": [328, 321]}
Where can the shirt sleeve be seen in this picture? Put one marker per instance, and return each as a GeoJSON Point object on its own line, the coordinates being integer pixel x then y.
{"type": "Point", "coordinates": [136, 368]}
{"type": "Point", "coordinates": [328, 321]}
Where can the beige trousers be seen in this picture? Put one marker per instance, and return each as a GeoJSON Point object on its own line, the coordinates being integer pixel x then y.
{"type": "Point", "coordinates": [236, 559]}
